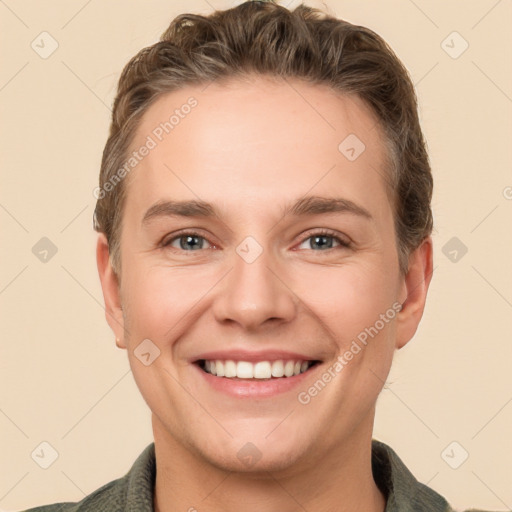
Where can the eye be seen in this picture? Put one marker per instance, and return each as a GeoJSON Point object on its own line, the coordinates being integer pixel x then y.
{"type": "Point", "coordinates": [323, 241]}
{"type": "Point", "coordinates": [187, 242]}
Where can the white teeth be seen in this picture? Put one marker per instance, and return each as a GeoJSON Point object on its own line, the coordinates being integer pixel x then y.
{"type": "Point", "coordinates": [230, 369]}
{"type": "Point", "coordinates": [262, 370]}
{"type": "Point", "coordinates": [259, 370]}
{"type": "Point", "coordinates": [244, 370]}
{"type": "Point", "coordinates": [277, 369]}
{"type": "Point", "coordinates": [288, 368]}
{"type": "Point", "coordinates": [219, 368]}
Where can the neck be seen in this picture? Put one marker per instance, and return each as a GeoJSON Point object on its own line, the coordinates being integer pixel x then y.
{"type": "Point", "coordinates": [339, 480]}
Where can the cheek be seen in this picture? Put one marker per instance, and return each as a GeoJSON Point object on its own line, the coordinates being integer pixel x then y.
{"type": "Point", "coordinates": [346, 299]}
{"type": "Point", "coordinates": [161, 299]}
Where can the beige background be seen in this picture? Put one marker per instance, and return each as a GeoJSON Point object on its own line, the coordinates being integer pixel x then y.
{"type": "Point", "coordinates": [63, 381]}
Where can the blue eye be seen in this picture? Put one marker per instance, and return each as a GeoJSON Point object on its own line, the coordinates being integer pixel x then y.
{"type": "Point", "coordinates": [323, 241]}
{"type": "Point", "coordinates": [186, 242]}
{"type": "Point", "coordinates": [318, 242]}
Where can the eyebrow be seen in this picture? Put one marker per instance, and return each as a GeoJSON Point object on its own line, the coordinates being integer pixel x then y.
{"type": "Point", "coordinates": [179, 209]}
{"type": "Point", "coordinates": [310, 205]}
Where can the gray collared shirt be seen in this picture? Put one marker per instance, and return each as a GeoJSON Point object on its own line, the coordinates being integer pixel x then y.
{"type": "Point", "coordinates": [134, 491]}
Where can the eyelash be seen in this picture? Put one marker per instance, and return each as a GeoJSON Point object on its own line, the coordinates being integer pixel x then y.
{"type": "Point", "coordinates": [345, 244]}
{"type": "Point", "coordinates": [322, 232]}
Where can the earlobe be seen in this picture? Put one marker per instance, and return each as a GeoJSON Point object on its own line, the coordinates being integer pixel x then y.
{"type": "Point", "coordinates": [415, 287]}
{"type": "Point", "coordinates": [111, 290]}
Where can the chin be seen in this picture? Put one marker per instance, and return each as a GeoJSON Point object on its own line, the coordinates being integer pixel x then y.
{"type": "Point", "coordinates": [259, 467]}
{"type": "Point", "coordinates": [254, 453]}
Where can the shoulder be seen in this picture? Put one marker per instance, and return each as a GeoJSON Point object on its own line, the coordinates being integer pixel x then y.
{"type": "Point", "coordinates": [135, 487]}
{"type": "Point", "coordinates": [108, 497]}
{"type": "Point", "coordinates": [403, 492]}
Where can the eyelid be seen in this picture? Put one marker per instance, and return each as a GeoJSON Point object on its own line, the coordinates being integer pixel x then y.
{"type": "Point", "coordinates": [167, 240]}
{"type": "Point", "coordinates": [343, 241]}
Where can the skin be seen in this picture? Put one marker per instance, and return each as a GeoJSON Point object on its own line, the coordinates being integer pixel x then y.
{"type": "Point", "coordinates": [295, 296]}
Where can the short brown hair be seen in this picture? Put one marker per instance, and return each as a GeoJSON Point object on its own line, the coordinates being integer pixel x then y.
{"type": "Point", "coordinates": [266, 38]}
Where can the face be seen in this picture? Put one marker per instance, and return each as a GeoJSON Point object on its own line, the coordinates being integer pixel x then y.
{"type": "Point", "coordinates": [251, 237]}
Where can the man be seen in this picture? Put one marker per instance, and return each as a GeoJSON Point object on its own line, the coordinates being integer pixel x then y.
{"type": "Point", "coordinates": [264, 248]}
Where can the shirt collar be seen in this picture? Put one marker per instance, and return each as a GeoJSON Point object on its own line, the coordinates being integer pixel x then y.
{"type": "Point", "coordinates": [400, 488]}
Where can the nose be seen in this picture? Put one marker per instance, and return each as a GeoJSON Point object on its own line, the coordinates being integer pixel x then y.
{"type": "Point", "coordinates": [254, 295]}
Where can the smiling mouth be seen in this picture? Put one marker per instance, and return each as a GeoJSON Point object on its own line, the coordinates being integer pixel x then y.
{"type": "Point", "coordinates": [261, 370]}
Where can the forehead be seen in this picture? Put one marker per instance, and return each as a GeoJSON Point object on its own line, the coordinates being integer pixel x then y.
{"type": "Point", "coordinates": [263, 135]}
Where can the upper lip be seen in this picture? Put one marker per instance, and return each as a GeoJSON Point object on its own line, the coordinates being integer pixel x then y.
{"type": "Point", "coordinates": [244, 355]}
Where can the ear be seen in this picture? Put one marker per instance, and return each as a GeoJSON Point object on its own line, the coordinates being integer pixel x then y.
{"type": "Point", "coordinates": [111, 290]}
{"type": "Point", "coordinates": [414, 292]}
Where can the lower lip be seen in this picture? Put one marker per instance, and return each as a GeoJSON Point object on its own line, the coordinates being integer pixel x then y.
{"type": "Point", "coordinates": [255, 388]}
